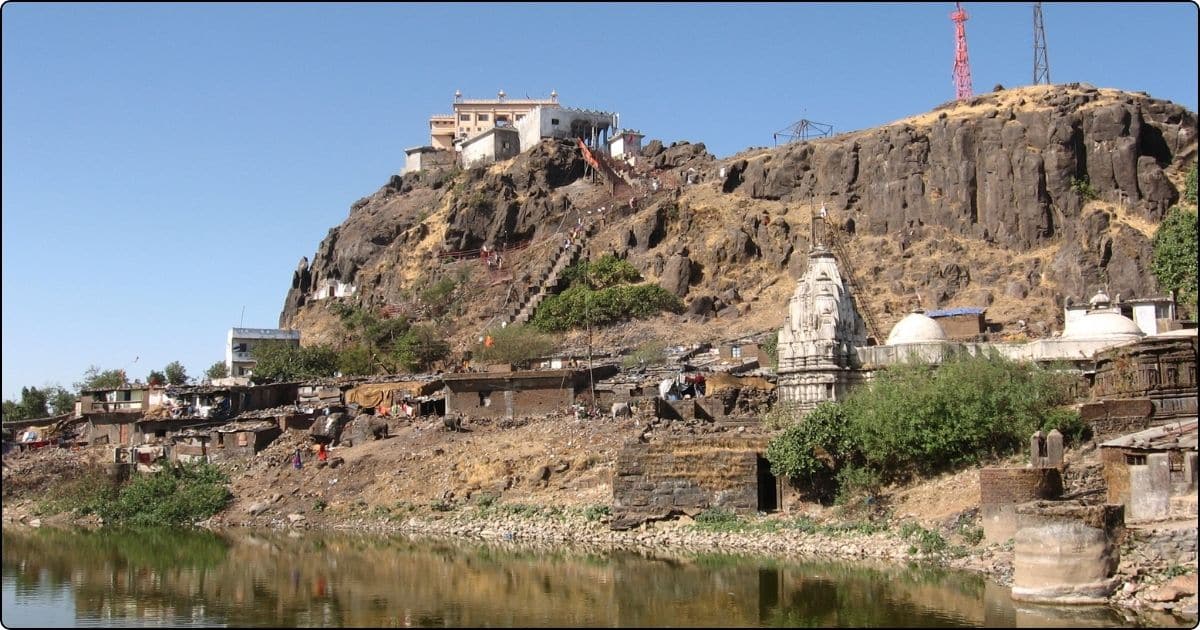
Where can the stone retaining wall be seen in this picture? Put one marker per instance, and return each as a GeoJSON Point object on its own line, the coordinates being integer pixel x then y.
{"type": "Point", "coordinates": [1166, 546]}
{"type": "Point", "coordinates": [684, 476]}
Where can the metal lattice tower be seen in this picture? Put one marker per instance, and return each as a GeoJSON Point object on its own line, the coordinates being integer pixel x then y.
{"type": "Point", "coordinates": [1041, 62]}
{"type": "Point", "coordinates": [803, 129]}
{"type": "Point", "coordinates": [962, 67]}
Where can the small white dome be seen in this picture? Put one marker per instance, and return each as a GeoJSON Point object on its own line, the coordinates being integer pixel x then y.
{"type": "Point", "coordinates": [916, 328]}
{"type": "Point", "coordinates": [1102, 325]}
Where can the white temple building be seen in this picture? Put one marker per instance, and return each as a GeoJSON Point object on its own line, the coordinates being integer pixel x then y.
{"type": "Point", "coordinates": [823, 351]}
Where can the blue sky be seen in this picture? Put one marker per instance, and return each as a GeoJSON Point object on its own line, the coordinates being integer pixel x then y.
{"type": "Point", "coordinates": [167, 165]}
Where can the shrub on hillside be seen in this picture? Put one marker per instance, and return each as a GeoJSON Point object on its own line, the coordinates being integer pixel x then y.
{"type": "Point", "coordinates": [917, 419]}
{"type": "Point", "coordinates": [513, 344]}
{"type": "Point", "coordinates": [580, 306]}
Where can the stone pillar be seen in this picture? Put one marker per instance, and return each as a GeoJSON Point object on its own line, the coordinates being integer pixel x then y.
{"type": "Point", "coordinates": [1037, 450]}
{"type": "Point", "coordinates": [1066, 552]}
{"type": "Point", "coordinates": [1189, 470]}
{"type": "Point", "coordinates": [1054, 449]}
{"type": "Point", "coordinates": [1150, 488]}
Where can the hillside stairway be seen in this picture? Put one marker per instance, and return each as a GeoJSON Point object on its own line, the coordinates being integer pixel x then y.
{"type": "Point", "coordinates": [852, 283]}
{"type": "Point", "coordinates": [549, 278]}
{"type": "Point", "coordinates": [602, 164]}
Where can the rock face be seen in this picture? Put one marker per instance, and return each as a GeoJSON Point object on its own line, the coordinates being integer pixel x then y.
{"type": "Point", "coordinates": [1005, 169]}
{"type": "Point", "coordinates": [1013, 200]}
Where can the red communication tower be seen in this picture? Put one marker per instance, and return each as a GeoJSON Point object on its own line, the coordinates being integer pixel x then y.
{"type": "Point", "coordinates": [962, 67]}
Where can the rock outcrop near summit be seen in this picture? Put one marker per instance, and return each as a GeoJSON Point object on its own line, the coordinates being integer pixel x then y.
{"type": "Point", "coordinates": [1012, 201]}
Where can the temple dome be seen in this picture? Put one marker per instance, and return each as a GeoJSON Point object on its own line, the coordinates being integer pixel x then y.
{"type": "Point", "coordinates": [1102, 325]}
{"type": "Point", "coordinates": [916, 328]}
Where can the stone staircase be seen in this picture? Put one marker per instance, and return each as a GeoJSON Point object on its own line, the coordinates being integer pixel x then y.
{"type": "Point", "coordinates": [852, 283]}
{"type": "Point", "coordinates": [548, 278]}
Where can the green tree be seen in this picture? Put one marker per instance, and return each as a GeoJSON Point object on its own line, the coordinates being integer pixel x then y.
{"type": "Point", "coordinates": [419, 348]}
{"type": "Point", "coordinates": [156, 378]}
{"type": "Point", "coordinates": [95, 378]}
{"type": "Point", "coordinates": [61, 400]}
{"type": "Point", "coordinates": [279, 361]}
{"type": "Point", "coordinates": [176, 375]}
{"type": "Point", "coordinates": [356, 360]}
{"type": "Point", "coordinates": [34, 403]}
{"type": "Point", "coordinates": [217, 370]}
{"type": "Point", "coordinates": [1174, 264]}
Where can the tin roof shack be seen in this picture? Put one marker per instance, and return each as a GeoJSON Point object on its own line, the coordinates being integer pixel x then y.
{"type": "Point", "coordinates": [1153, 472]}
{"type": "Point", "coordinates": [243, 438]}
{"type": "Point", "coordinates": [162, 431]}
{"type": "Point", "coordinates": [742, 351]}
{"type": "Point", "coordinates": [227, 401]}
{"type": "Point", "coordinates": [111, 413]}
{"type": "Point", "coordinates": [965, 322]}
{"type": "Point", "coordinates": [416, 392]}
{"type": "Point", "coordinates": [191, 445]}
{"type": "Point", "coordinates": [526, 392]}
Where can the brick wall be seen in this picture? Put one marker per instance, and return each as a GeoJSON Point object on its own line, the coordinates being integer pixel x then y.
{"type": "Point", "coordinates": [961, 325]}
{"type": "Point", "coordinates": [1001, 489]}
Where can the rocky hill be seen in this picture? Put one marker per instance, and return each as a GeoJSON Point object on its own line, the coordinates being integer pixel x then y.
{"type": "Point", "coordinates": [1012, 200]}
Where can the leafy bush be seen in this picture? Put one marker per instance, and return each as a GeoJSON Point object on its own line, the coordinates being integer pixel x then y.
{"type": "Point", "coordinates": [771, 348]}
{"type": "Point", "coordinates": [649, 353]}
{"type": "Point", "coordinates": [1174, 263]}
{"type": "Point", "coordinates": [439, 296]}
{"type": "Point", "coordinates": [1083, 186]}
{"type": "Point", "coordinates": [925, 541]}
{"type": "Point", "coordinates": [914, 419]}
{"type": "Point", "coordinates": [596, 512]}
{"type": "Point", "coordinates": [580, 306]}
{"type": "Point", "coordinates": [80, 495]}
{"type": "Point", "coordinates": [608, 271]}
{"type": "Point", "coordinates": [514, 344]}
{"type": "Point", "coordinates": [720, 520]}
{"type": "Point", "coordinates": [178, 495]}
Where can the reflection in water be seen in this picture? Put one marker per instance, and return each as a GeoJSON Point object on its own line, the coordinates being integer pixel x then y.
{"type": "Point", "coordinates": [272, 579]}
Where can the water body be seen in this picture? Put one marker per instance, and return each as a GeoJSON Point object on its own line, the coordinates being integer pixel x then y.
{"type": "Point", "coordinates": [198, 578]}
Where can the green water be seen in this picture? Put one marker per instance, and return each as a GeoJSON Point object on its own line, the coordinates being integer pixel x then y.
{"type": "Point", "coordinates": [172, 577]}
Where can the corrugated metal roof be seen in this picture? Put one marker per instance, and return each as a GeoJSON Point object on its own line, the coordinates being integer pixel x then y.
{"type": "Point", "coordinates": [961, 310]}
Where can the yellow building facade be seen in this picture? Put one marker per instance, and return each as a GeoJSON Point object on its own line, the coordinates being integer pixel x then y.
{"type": "Point", "coordinates": [472, 117]}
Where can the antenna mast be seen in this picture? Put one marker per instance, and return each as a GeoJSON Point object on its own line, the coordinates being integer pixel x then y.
{"type": "Point", "coordinates": [962, 67]}
{"type": "Point", "coordinates": [1041, 62]}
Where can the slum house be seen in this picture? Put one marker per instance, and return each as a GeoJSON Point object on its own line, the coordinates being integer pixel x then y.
{"type": "Point", "coordinates": [505, 394]}
{"type": "Point", "coordinates": [742, 351]}
{"type": "Point", "coordinates": [242, 438]}
{"type": "Point", "coordinates": [1153, 472]}
{"type": "Point", "coordinates": [402, 398]}
{"type": "Point", "coordinates": [222, 402]}
{"type": "Point", "coordinates": [111, 413]}
{"type": "Point", "coordinates": [35, 433]}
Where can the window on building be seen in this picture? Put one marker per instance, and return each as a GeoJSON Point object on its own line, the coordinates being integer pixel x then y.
{"type": "Point", "coordinates": [520, 116]}
{"type": "Point", "coordinates": [829, 391]}
{"type": "Point", "coordinates": [220, 440]}
{"type": "Point", "coordinates": [735, 352]}
{"type": "Point", "coordinates": [501, 118]}
{"type": "Point", "coordinates": [1135, 460]}
{"type": "Point", "coordinates": [482, 117]}
{"type": "Point", "coordinates": [553, 121]}
{"type": "Point", "coordinates": [464, 118]}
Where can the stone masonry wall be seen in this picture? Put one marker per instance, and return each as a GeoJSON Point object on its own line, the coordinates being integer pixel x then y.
{"type": "Point", "coordinates": [1166, 546]}
{"type": "Point", "coordinates": [684, 476]}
